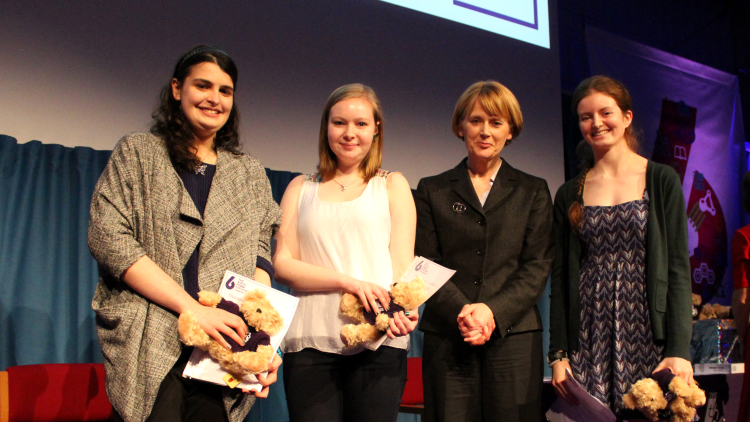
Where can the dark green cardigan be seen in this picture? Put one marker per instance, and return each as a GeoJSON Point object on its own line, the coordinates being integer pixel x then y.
{"type": "Point", "coordinates": [668, 288]}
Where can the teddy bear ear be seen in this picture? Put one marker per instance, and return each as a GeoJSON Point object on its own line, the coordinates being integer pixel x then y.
{"type": "Point", "coordinates": [273, 322]}
{"type": "Point", "coordinates": [255, 294]}
{"type": "Point", "coordinates": [628, 401]}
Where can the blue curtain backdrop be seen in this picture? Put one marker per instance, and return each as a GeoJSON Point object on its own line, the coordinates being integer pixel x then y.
{"type": "Point", "coordinates": [47, 275]}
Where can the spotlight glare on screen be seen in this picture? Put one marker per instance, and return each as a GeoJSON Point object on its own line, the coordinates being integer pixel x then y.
{"type": "Point", "coordinates": [524, 20]}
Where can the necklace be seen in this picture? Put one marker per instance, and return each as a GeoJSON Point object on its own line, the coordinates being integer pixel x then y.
{"type": "Point", "coordinates": [343, 186]}
{"type": "Point", "coordinates": [202, 166]}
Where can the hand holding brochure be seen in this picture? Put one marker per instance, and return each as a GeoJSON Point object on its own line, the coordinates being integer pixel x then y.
{"type": "Point", "coordinates": [233, 288]}
{"type": "Point", "coordinates": [588, 409]}
{"type": "Point", "coordinates": [434, 276]}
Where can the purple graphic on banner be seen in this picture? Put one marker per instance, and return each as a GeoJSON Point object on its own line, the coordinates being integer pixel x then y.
{"type": "Point", "coordinates": [707, 229]}
{"type": "Point", "coordinates": [532, 25]}
{"type": "Point", "coordinates": [675, 135]}
{"type": "Point", "coordinates": [707, 237]}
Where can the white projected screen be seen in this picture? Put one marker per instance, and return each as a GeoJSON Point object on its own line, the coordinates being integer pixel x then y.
{"type": "Point", "coordinates": [525, 20]}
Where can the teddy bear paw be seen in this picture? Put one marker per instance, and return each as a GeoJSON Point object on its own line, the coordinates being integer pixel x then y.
{"type": "Point", "coordinates": [353, 335]}
{"type": "Point", "coordinates": [190, 332]}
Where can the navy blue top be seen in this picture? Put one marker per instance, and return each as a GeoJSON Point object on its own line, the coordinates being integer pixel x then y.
{"type": "Point", "coordinates": [198, 184]}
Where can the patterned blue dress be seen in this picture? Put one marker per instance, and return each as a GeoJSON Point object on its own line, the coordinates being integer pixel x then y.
{"type": "Point", "coordinates": [617, 347]}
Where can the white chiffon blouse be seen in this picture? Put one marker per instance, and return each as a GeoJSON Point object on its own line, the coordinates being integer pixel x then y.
{"type": "Point", "coordinates": [348, 237]}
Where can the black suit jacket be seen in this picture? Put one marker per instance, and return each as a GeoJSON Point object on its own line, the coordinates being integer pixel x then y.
{"type": "Point", "coordinates": [502, 252]}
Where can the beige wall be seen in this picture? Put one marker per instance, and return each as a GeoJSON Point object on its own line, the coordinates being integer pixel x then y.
{"type": "Point", "coordinates": [84, 73]}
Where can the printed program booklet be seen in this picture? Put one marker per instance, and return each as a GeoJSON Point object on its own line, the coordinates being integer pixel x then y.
{"type": "Point", "coordinates": [434, 276]}
{"type": "Point", "coordinates": [233, 288]}
{"type": "Point", "coordinates": [588, 409]}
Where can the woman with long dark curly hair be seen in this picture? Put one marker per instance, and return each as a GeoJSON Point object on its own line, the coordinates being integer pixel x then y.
{"type": "Point", "coordinates": [171, 212]}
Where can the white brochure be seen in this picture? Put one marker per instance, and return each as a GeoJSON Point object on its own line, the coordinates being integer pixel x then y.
{"type": "Point", "coordinates": [233, 288]}
{"type": "Point", "coordinates": [588, 409]}
{"type": "Point", "coordinates": [434, 277]}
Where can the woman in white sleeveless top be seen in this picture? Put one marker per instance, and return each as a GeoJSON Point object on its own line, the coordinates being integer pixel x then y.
{"type": "Point", "coordinates": [348, 228]}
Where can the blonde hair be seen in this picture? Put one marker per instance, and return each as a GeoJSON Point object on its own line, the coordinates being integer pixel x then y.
{"type": "Point", "coordinates": [495, 99]}
{"type": "Point", "coordinates": [374, 158]}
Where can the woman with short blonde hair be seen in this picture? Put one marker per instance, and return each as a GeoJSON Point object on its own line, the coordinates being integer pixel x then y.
{"type": "Point", "coordinates": [482, 358]}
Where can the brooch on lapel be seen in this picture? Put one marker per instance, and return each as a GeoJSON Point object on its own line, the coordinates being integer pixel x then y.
{"type": "Point", "coordinates": [459, 207]}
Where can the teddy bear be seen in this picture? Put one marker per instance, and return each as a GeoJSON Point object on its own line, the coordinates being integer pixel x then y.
{"type": "Point", "coordinates": [697, 300]}
{"type": "Point", "coordinates": [262, 319]}
{"type": "Point", "coordinates": [689, 398]}
{"type": "Point", "coordinates": [646, 396]}
{"type": "Point", "coordinates": [665, 397]}
{"type": "Point", "coordinates": [405, 296]}
{"type": "Point", "coordinates": [714, 311]}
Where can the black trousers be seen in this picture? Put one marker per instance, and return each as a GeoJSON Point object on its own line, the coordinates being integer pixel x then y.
{"type": "Point", "coordinates": [498, 381]}
{"type": "Point", "coordinates": [185, 400]}
{"type": "Point", "coordinates": [366, 387]}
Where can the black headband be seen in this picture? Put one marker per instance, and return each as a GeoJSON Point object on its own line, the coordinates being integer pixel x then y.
{"type": "Point", "coordinates": [200, 50]}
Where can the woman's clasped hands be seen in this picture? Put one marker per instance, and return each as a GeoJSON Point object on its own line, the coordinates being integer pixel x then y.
{"type": "Point", "coordinates": [476, 323]}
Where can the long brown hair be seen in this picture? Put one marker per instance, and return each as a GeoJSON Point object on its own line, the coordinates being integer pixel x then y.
{"type": "Point", "coordinates": [617, 91]}
{"type": "Point", "coordinates": [170, 123]}
{"type": "Point", "coordinates": [374, 158]}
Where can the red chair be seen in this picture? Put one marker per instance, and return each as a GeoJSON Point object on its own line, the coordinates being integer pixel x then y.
{"type": "Point", "coordinates": [413, 399]}
{"type": "Point", "coordinates": [54, 392]}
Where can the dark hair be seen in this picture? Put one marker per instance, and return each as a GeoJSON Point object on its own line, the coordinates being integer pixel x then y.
{"type": "Point", "coordinates": [746, 192]}
{"type": "Point", "coordinates": [169, 120]}
{"type": "Point", "coordinates": [616, 90]}
{"type": "Point", "coordinates": [374, 158]}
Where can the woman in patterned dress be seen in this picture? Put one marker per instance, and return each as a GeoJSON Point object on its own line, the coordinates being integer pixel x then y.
{"type": "Point", "coordinates": [348, 228]}
{"type": "Point", "coordinates": [621, 296]}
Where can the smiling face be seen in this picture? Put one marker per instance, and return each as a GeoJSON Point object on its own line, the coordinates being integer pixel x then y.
{"type": "Point", "coordinates": [206, 97]}
{"type": "Point", "coordinates": [602, 122]}
{"type": "Point", "coordinates": [484, 135]}
{"type": "Point", "coordinates": [351, 129]}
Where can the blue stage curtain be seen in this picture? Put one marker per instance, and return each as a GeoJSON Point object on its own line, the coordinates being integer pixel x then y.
{"type": "Point", "coordinates": [47, 275]}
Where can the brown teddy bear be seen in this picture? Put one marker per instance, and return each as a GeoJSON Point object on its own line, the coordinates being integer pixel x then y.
{"type": "Point", "coordinates": [714, 311]}
{"type": "Point", "coordinates": [689, 398]}
{"type": "Point", "coordinates": [665, 397]}
{"type": "Point", "coordinates": [405, 296]}
{"type": "Point", "coordinates": [262, 319]}
{"type": "Point", "coordinates": [697, 300]}
{"type": "Point", "coordinates": [646, 396]}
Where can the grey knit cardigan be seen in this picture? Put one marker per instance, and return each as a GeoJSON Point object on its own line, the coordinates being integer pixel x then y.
{"type": "Point", "coordinates": [140, 207]}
